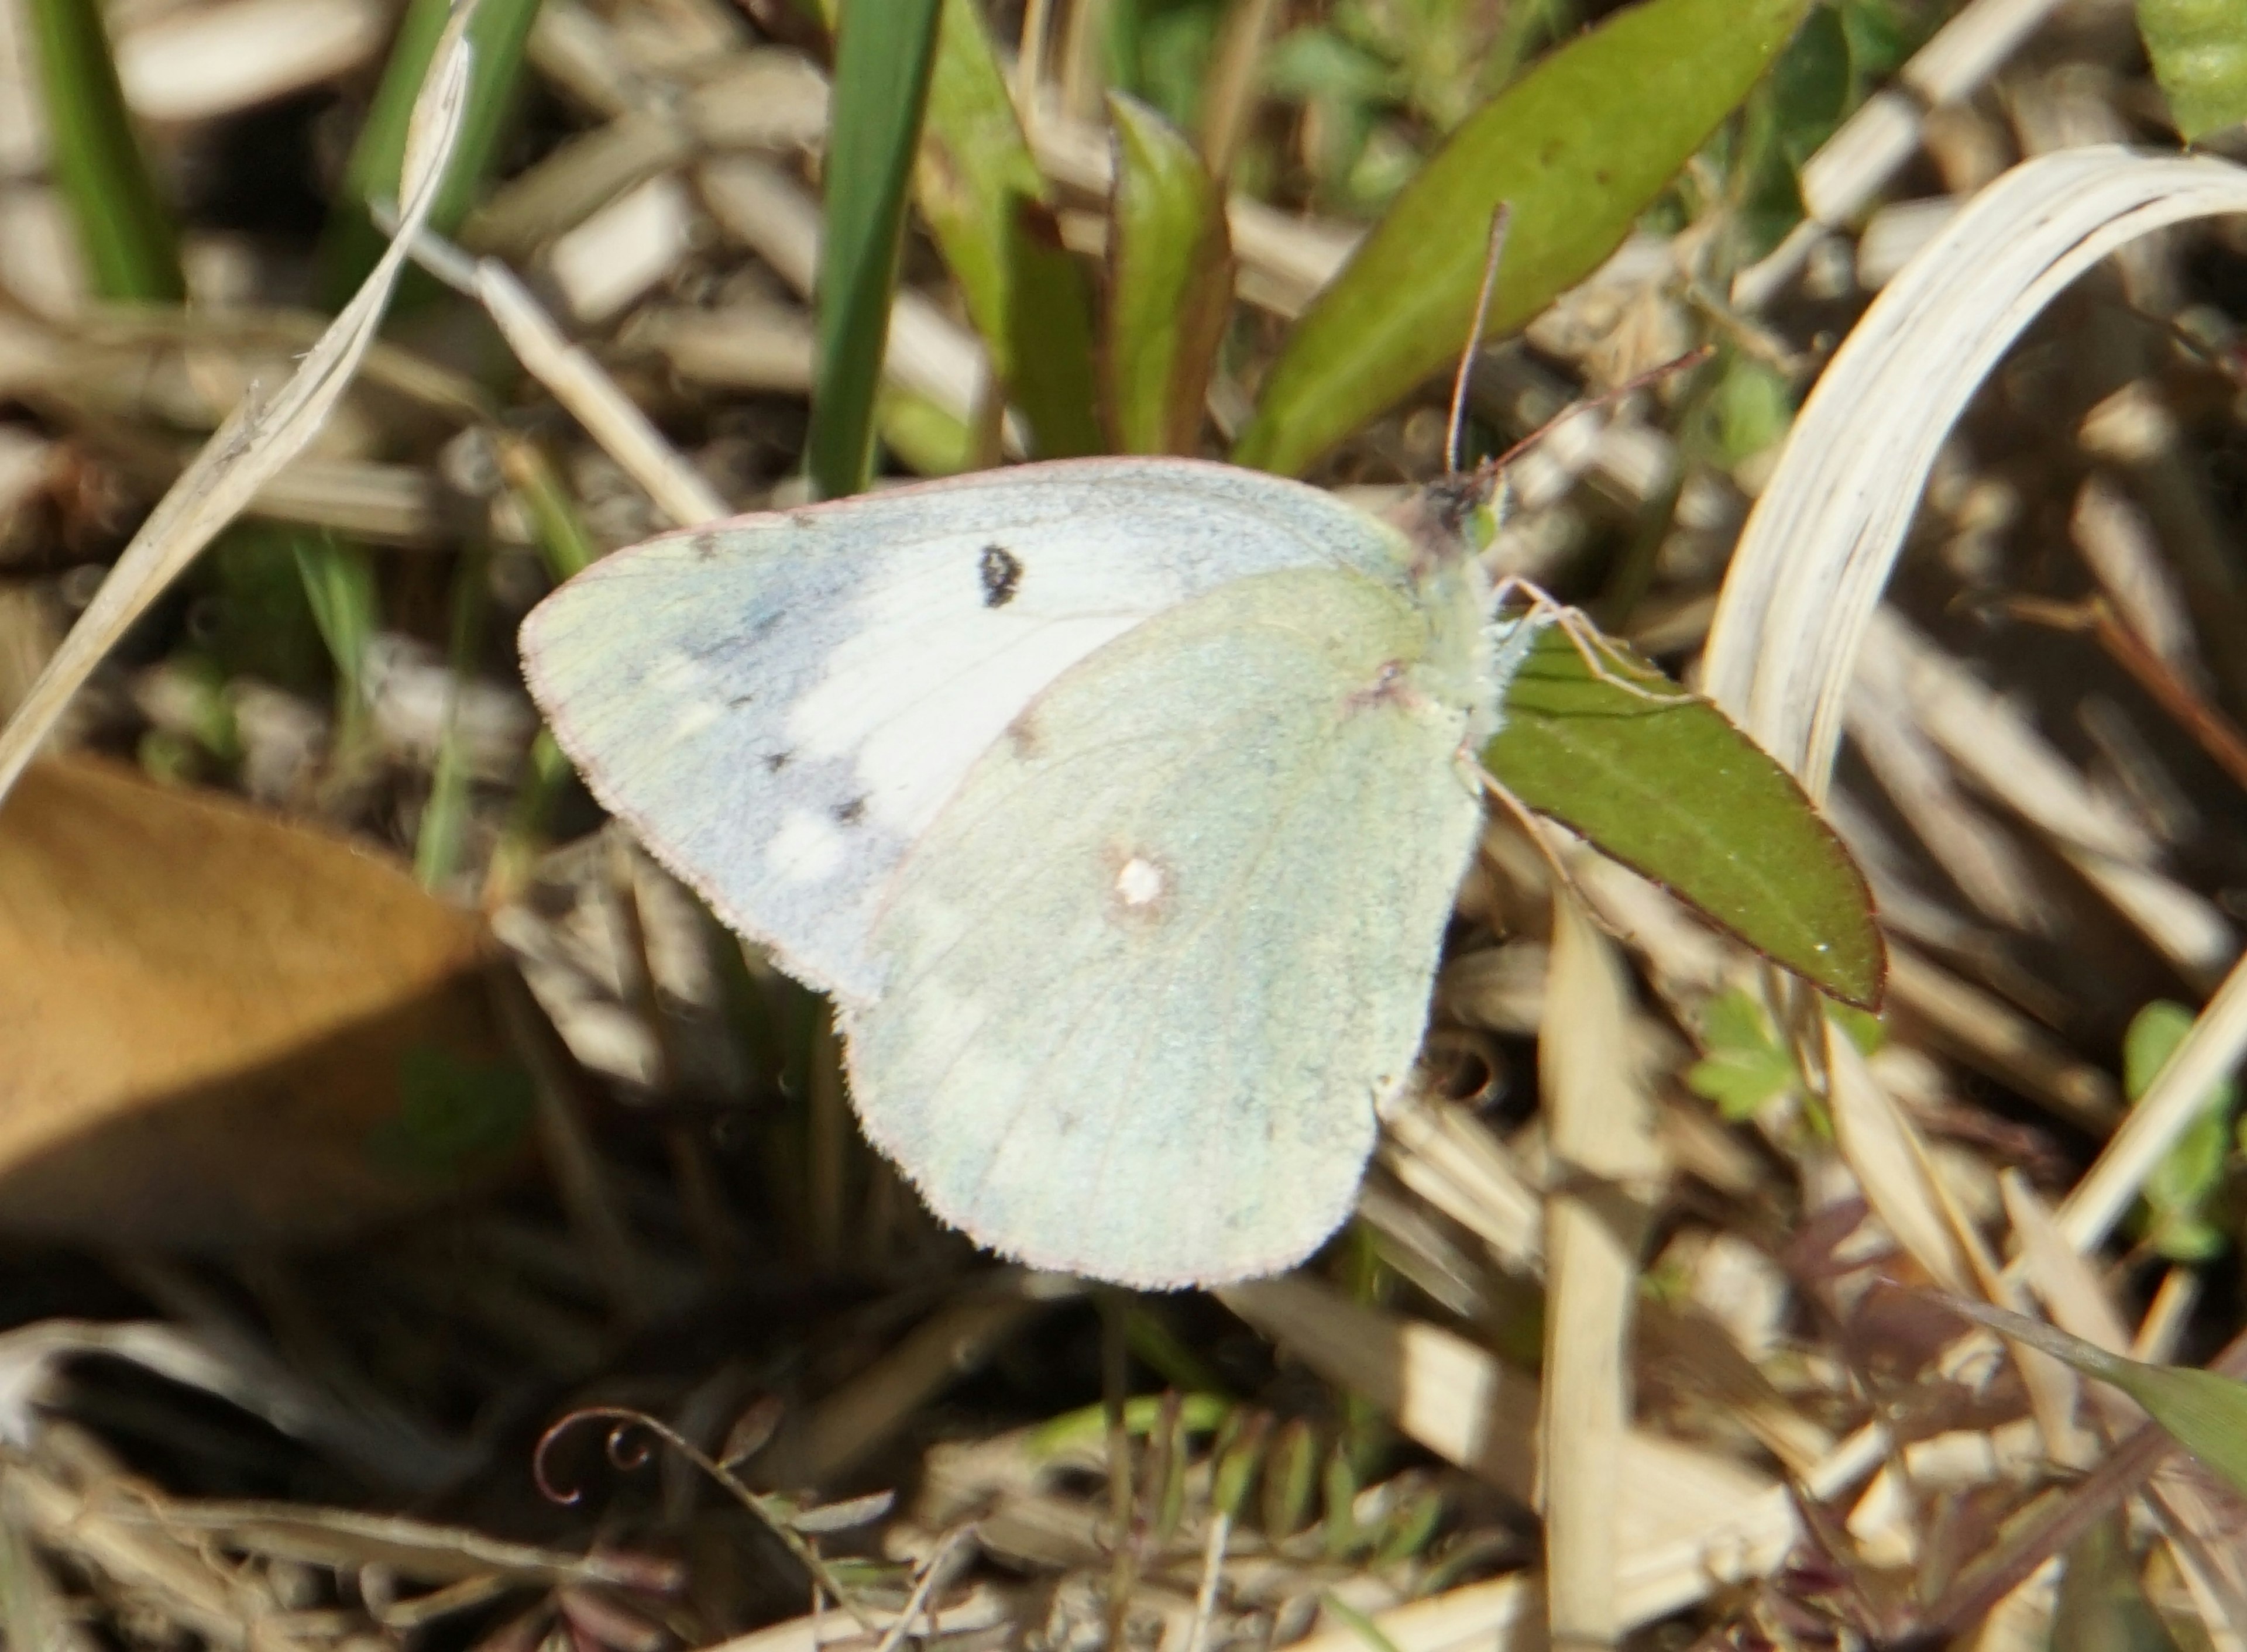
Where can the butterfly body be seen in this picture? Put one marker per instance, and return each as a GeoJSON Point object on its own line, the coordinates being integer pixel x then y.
{"type": "Point", "coordinates": [1119, 803]}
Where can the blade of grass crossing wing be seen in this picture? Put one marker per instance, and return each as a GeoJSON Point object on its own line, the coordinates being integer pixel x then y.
{"type": "Point", "coordinates": [131, 248]}
{"type": "Point", "coordinates": [1580, 146]}
{"type": "Point", "coordinates": [1661, 781]}
{"type": "Point", "coordinates": [2199, 50]}
{"type": "Point", "coordinates": [883, 55]}
{"type": "Point", "coordinates": [351, 242]}
{"type": "Point", "coordinates": [2205, 1411]}
{"type": "Point", "coordinates": [1170, 285]}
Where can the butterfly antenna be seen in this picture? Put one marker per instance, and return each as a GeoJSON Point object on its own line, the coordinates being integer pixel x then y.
{"type": "Point", "coordinates": [1629, 386]}
{"type": "Point", "coordinates": [1501, 221]}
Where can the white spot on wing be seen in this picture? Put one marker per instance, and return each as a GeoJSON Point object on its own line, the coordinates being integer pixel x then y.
{"type": "Point", "coordinates": [1140, 883]}
{"type": "Point", "coordinates": [805, 849]}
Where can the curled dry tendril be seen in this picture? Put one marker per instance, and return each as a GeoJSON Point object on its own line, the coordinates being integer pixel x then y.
{"type": "Point", "coordinates": [626, 1452]}
{"type": "Point", "coordinates": [629, 1453]}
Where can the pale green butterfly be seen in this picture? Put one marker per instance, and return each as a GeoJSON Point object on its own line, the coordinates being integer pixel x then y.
{"type": "Point", "coordinates": [1120, 804]}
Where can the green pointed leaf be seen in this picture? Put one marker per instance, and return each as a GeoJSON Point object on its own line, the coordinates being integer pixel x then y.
{"type": "Point", "coordinates": [1662, 781]}
{"type": "Point", "coordinates": [1170, 285]}
{"type": "Point", "coordinates": [882, 62]}
{"type": "Point", "coordinates": [2205, 1411]}
{"type": "Point", "coordinates": [985, 200]}
{"type": "Point", "coordinates": [2199, 49]}
{"type": "Point", "coordinates": [1050, 347]}
{"type": "Point", "coordinates": [1579, 146]}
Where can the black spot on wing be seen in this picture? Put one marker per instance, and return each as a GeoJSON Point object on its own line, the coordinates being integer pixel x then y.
{"type": "Point", "coordinates": [1000, 570]}
{"type": "Point", "coordinates": [852, 813]}
{"type": "Point", "coordinates": [705, 547]}
{"type": "Point", "coordinates": [774, 761]}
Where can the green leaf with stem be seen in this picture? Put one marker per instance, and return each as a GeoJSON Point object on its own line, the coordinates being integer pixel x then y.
{"type": "Point", "coordinates": [1579, 146]}
{"type": "Point", "coordinates": [1662, 781]}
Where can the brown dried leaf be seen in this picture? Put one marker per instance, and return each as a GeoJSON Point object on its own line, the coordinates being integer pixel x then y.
{"type": "Point", "coordinates": [227, 1029]}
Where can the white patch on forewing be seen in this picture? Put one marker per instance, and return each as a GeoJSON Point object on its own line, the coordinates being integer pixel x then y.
{"type": "Point", "coordinates": [678, 673]}
{"type": "Point", "coordinates": [1140, 883]}
{"type": "Point", "coordinates": [916, 696]}
{"type": "Point", "coordinates": [805, 849]}
{"type": "Point", "coordinates": [693, 719]}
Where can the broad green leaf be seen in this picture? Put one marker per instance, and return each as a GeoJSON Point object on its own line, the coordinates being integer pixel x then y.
{"type": "Point", "coordinates": [2199, 49]}
{"type": "Point", "coordinates": [351, 242]}
{"type": "Point", "coordinates": [1050, 346]}
{"type": "Point", "coordinates": [131, 248]}
{"type": "Point", "coordinates": [1579, 146]}
{"type": "Point", "coordinates": [927, 440]}
{"type": "Point", "coordinates": [2100, 1606]}
{"type": "Point", "coordinates": [883, 56]}
{"type": "Point", "coordinates": [985, 201]}
{"type": "Point", "coordinates": [1160, 50]}
{"type": "Point", "coordinates": [1170, 285]}
{"type": "Point", "coordinates": [2205, 1411]}
{"type": "Point", "coordinates": [1662, 781]}
{"type": "Point", "coordinates": [2178, 1189]}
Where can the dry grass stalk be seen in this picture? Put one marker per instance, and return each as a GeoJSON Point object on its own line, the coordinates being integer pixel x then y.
{"type": "Point", "coordinates": [1875, 143]}
{"type": "Point", "coordinates": [260, 436]}
{"type": "Point", "coordinates": [1598, 1126]}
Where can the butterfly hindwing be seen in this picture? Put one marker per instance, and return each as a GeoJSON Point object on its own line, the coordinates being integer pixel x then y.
{"type": "Point", "coordinates": [779, 704]}
{"type": "Point", "coordinates": [1150, 968]}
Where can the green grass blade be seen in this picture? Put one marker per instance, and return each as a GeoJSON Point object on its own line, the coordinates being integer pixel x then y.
{"type": "Point", "coordinates": [1579, 146]}
{"type": "Point", "coordinates": [351, 242]}
{"type": "Point", "coordinates": [2199, 49]}
{"type": "Point", "coordinates": [339, 584]}
{"type": "Point", "coordinates": [132, 250]}
{"type": "Point", "coordinates": [2205, 1411]}
{"type": "Point", "coordinates": [1170, 285]}
{"type": "Point", "coordinates": [883, 55]}
{"type": "Point", "coordinates": [1665, 783]}
{"type": "Point", "coordinates": [444, 830]}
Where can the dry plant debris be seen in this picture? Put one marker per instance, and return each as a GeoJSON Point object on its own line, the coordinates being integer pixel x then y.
{"type": "Point", "coordinates": [298, 1332]}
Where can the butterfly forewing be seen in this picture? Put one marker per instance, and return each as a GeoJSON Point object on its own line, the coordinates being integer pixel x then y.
{"type": "Point", "coordinates": [779, 704]}
{"type": "Point", "coordinates": [1151, 967]}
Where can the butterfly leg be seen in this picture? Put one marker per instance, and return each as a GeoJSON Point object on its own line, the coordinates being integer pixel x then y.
{"type": "Point", "coordinates": [1593, 646]}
